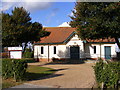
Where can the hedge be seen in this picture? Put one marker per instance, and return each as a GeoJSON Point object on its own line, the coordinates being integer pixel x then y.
{"type": "Point", "coordinates": [12, 68]}
{"type": "Point", "coordinates": [107, 73]}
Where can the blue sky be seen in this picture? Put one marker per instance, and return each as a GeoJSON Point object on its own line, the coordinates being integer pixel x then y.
{"type": "Point", "coordinates": [50, 14]}
{"type": "Point", "coordinates": [55, 15]}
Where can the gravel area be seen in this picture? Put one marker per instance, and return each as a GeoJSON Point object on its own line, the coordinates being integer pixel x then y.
{"type": "Point", "coordinates": [69, 76]}
{"type": "Point", "coordinates": [38, 63]}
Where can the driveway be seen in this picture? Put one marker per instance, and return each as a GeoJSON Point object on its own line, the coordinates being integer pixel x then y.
{"type": "Point", "coordinates": [69, 76]}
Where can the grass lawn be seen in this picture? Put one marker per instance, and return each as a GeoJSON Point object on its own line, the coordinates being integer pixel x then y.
{"type": "Point", "coordinates": [33, 72]}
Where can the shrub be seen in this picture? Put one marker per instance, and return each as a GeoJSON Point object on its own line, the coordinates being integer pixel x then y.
{"type": "Point", "coordinates": [28, 54]}
{"type": "Point", "coordinates": [107, 73]}
{"type": "Point", "coordinates": [4, 54]}
{"type": "Point", "coordinates": [29, 60]}
{"type": "Point", "coordinates": [12, 68]}
{"type": "Point", "coordinates": [98, 68]}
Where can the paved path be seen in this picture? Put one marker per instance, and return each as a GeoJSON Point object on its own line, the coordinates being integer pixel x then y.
{"type": "Point", "coordinates": [27, 85]}
{"type": "Point", "coordinates": [69, 76]}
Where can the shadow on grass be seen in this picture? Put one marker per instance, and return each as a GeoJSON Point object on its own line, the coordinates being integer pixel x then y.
{"type": "Point", "coordinates": [58, 69]}
{"type": "Point", "coordinates": [30, 76]}
{"type": "Point", "coordinates": [40, 76]}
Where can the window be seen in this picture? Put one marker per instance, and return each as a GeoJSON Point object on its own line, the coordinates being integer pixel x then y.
{"type": "Point", "coordinates": [42, 50]}
{"type": "Point", "coordinates": [54, 49]}
{"type": "Point", "coordinates": [94, 49]}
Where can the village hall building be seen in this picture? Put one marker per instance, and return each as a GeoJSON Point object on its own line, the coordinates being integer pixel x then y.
{"type": "Point", "coordinates": [64, 43]}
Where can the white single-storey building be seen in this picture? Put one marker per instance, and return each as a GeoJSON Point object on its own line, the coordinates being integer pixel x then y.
{"type": "Point", "coordinates": [15, 52]}
{"type": "Point", "coordinates": [64, 43]}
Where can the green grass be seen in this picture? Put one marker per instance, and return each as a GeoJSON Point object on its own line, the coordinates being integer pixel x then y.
{"type": "Point", "coordinates": [36, 72]}
{"type": "Point", "coordinates": [33, 72]}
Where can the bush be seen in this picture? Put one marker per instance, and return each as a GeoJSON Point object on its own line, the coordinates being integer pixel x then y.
{"type": "Point", "coordinates": [28, 54]}
{"type": "Point", "coordinates": [12, 68]}
{"type": "Point", "coordinates": [4, 54]}
{"type": "Point", "coordinates": [107, 73]}
{"type": "Point", "coordinates": [29, 60]}
{"type": "Point", "coordinates": [59, 60]}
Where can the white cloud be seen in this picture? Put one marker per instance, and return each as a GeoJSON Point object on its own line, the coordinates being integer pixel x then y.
{"type": "Point", "coordinates": [34, 6]}
{"type": "Point", "coordinates": [6, 5]}
{"type": "Point", "coordinates": [64, 24]}
{"type": "Point", "coordinates": [71, 14]}
{"type": "Point", "coordinates": [40, 0]}
{"type": "Point", "coordinates": [45, 26]}
{"type": "Point", "coordinates": [28, 5]}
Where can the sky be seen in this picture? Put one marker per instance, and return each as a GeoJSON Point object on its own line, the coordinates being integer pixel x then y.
{"type": "Point", "coordinates": [49, 14]}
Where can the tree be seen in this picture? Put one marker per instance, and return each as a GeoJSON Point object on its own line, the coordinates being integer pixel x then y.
{"type": "Point", "coordinates": [18, 28]}
{"type": "Point", "coordinates": [97, 20]}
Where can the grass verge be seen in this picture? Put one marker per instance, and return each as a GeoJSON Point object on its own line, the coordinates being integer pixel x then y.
{"type": "Point", "coordinates": [33, 73]}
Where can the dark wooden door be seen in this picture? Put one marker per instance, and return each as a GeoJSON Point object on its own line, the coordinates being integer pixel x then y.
{"type": "Point", "coordinates": [74, 52]}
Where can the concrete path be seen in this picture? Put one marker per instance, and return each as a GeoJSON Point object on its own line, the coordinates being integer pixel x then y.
{"type": "Point", "coordinates": [27, 85]}
{"type": "Point", "coordinates": [69, 76]}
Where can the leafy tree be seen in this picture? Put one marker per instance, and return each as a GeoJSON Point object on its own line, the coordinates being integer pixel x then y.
{"type": "Point", "coordinates": [18, 28]}
{"type": "Point", "coordinates": [0, 33]}
{"type": "Point", "coordinates": [95, 20]}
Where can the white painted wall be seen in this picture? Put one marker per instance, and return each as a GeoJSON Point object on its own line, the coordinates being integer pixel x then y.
{"type": "Point", "coordinates": [117, 48]}
{"type": "Point", "coordinates": [89, 50]}
{"type": "Point", "coordinates": [76, 41]}
{"type": "Point", "coordinates": [15, 52]}
{"type": "Point", "coordinates": [62, 51]}
{"type": "Point", "coordinates": [14, 48]}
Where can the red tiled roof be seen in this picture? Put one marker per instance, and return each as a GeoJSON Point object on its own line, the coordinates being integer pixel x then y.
{"type": "Point", "coordinates": [60, 34]}
{"type": "Point", "coordinates": [57, 35]}
{"type": "Point", "coordinates": [102, 40]}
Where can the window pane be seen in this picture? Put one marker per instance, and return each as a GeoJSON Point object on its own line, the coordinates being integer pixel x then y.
{"type": "Point", "coordinates": [54, 49]}
{"type": "Point", "coordinates": [41, 50]}
{"type": "Point", "coordinates": [94, 49]}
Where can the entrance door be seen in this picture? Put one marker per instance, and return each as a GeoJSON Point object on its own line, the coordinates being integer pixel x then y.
{"type": "Point", "coordinates": [74, 52]}
{"type": "Point", "coordinates": [107, 52]}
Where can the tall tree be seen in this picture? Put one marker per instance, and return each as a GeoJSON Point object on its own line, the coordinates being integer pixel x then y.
{"type": "Point", "coordinates": [97, 20]}
{"type": "Point", "coordinates": [18, 28]}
